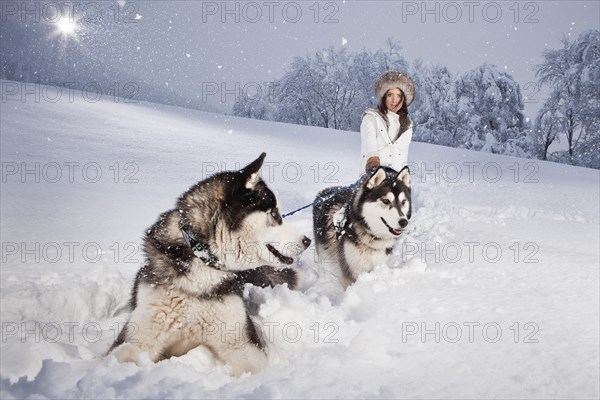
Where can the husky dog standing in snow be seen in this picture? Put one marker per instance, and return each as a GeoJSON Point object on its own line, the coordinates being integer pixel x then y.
{"type": "Point", "coordinates": [356, 229]}
{"type": "Point", "coordinates": [224, 232]}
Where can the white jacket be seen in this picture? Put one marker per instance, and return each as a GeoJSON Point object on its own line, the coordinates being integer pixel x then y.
{"type": "Point", "coordinates": [379, 140]}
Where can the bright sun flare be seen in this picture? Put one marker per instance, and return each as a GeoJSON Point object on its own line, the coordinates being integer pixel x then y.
{"type": "Point", "coordinates": [66, 27]}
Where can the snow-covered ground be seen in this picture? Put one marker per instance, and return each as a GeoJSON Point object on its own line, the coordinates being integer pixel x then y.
{"type": "Point", "coordinates": [494, 293]}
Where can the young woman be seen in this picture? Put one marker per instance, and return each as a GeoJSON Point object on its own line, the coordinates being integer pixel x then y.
{"type": "Point", "coordinates": [386, 131]}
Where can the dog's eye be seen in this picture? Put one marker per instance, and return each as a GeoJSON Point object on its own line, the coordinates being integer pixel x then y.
{"type": "Point", "coordinates": [275, 214]}
{"type": "Point", "coordinates": [403, 202]}
{"type": "Point", "coordinates": [386, 202]}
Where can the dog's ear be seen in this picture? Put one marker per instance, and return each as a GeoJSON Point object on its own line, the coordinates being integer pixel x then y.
{"type": "Point", "coordinates": [250, 173]}
{"type": "Point", "coordinates": [376, 179]}
{"type": "Point", "coordinates": [404, 176]}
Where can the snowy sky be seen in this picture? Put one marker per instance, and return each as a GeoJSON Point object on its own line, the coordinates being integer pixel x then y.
{"type": "Point", "coordinates": [205, 48]}
{"type": "Point", "coordinates": [461, 35]}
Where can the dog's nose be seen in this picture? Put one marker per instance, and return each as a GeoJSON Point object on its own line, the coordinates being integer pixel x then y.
{"type": "Point", "coordinates": [306, 242]}
{"type": "Point", "coordinates": [403, 222]}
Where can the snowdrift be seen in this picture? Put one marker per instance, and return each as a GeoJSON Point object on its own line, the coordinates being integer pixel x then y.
{"type": "Point", "coordinates": [492, 293]}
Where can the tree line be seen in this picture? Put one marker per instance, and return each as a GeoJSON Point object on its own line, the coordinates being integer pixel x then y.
{"type": "Point", "coordinates": [481, 109]}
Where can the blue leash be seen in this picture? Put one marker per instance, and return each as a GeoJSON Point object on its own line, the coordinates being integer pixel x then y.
{"type": "Point", "coordinates": [322, 199]}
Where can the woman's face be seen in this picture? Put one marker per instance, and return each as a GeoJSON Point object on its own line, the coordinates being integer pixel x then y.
{"type": "Point", "coordinates": [394, 99]}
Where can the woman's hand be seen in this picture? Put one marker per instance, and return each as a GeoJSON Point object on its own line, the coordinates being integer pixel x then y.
{"type": "Point", "coordinates": [372, 163]}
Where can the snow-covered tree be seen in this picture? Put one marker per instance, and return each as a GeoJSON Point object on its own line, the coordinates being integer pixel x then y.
{"type": "Point", "coordinates": [480, 110]}
{"type": "Point", "coordinates": [256, 107]}
{"type": "Point", "coordinates": [318, 91]}
{"type": "Point", "coordinates": [573, 74]}
{"type": "Point", "coordinates": [489, 102]}
{"type": "Point", "coordinates": [434, 109]}
{"type": "Point", "coordinates": [548, 125]}
{"type": "Point", "coordinates": [330, 88]}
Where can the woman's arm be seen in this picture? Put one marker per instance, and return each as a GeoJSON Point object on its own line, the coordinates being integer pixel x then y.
{"type": "Point", "coordinates": [368, 142]}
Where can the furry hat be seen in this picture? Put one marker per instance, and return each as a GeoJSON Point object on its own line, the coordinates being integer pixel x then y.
{"type": "Point", "coordinates": [395, 79]}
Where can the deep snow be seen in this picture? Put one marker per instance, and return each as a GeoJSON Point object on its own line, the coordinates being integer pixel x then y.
{"type": "Point", "coordinates": [493, 293]}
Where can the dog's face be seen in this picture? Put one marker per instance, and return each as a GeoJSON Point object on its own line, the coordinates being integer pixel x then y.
{"type": "Point", "coordinates": [385, 201]}
{"type": "Point", "coordinates": [257, 234]}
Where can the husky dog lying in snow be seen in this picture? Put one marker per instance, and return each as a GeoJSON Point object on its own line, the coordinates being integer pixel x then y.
{"type": "Point", "coordinates": [224, 232]}
{"type": "Point", "coordinates": [356, 229]}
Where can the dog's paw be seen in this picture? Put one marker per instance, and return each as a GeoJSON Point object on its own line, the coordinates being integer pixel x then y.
{"type": "Point", "coordinates": [281, 276]}
{"type": "Point", "coordinates": [266, 276]}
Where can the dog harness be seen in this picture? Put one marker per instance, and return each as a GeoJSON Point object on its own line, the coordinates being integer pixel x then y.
{"type": "Point", "coordinates": [200, 249]}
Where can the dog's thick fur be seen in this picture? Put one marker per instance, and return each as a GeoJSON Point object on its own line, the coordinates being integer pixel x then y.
{"type": "Point", "coordinates": [180, 301]}
{"type": "Point", "coordinates": [356, 229]}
